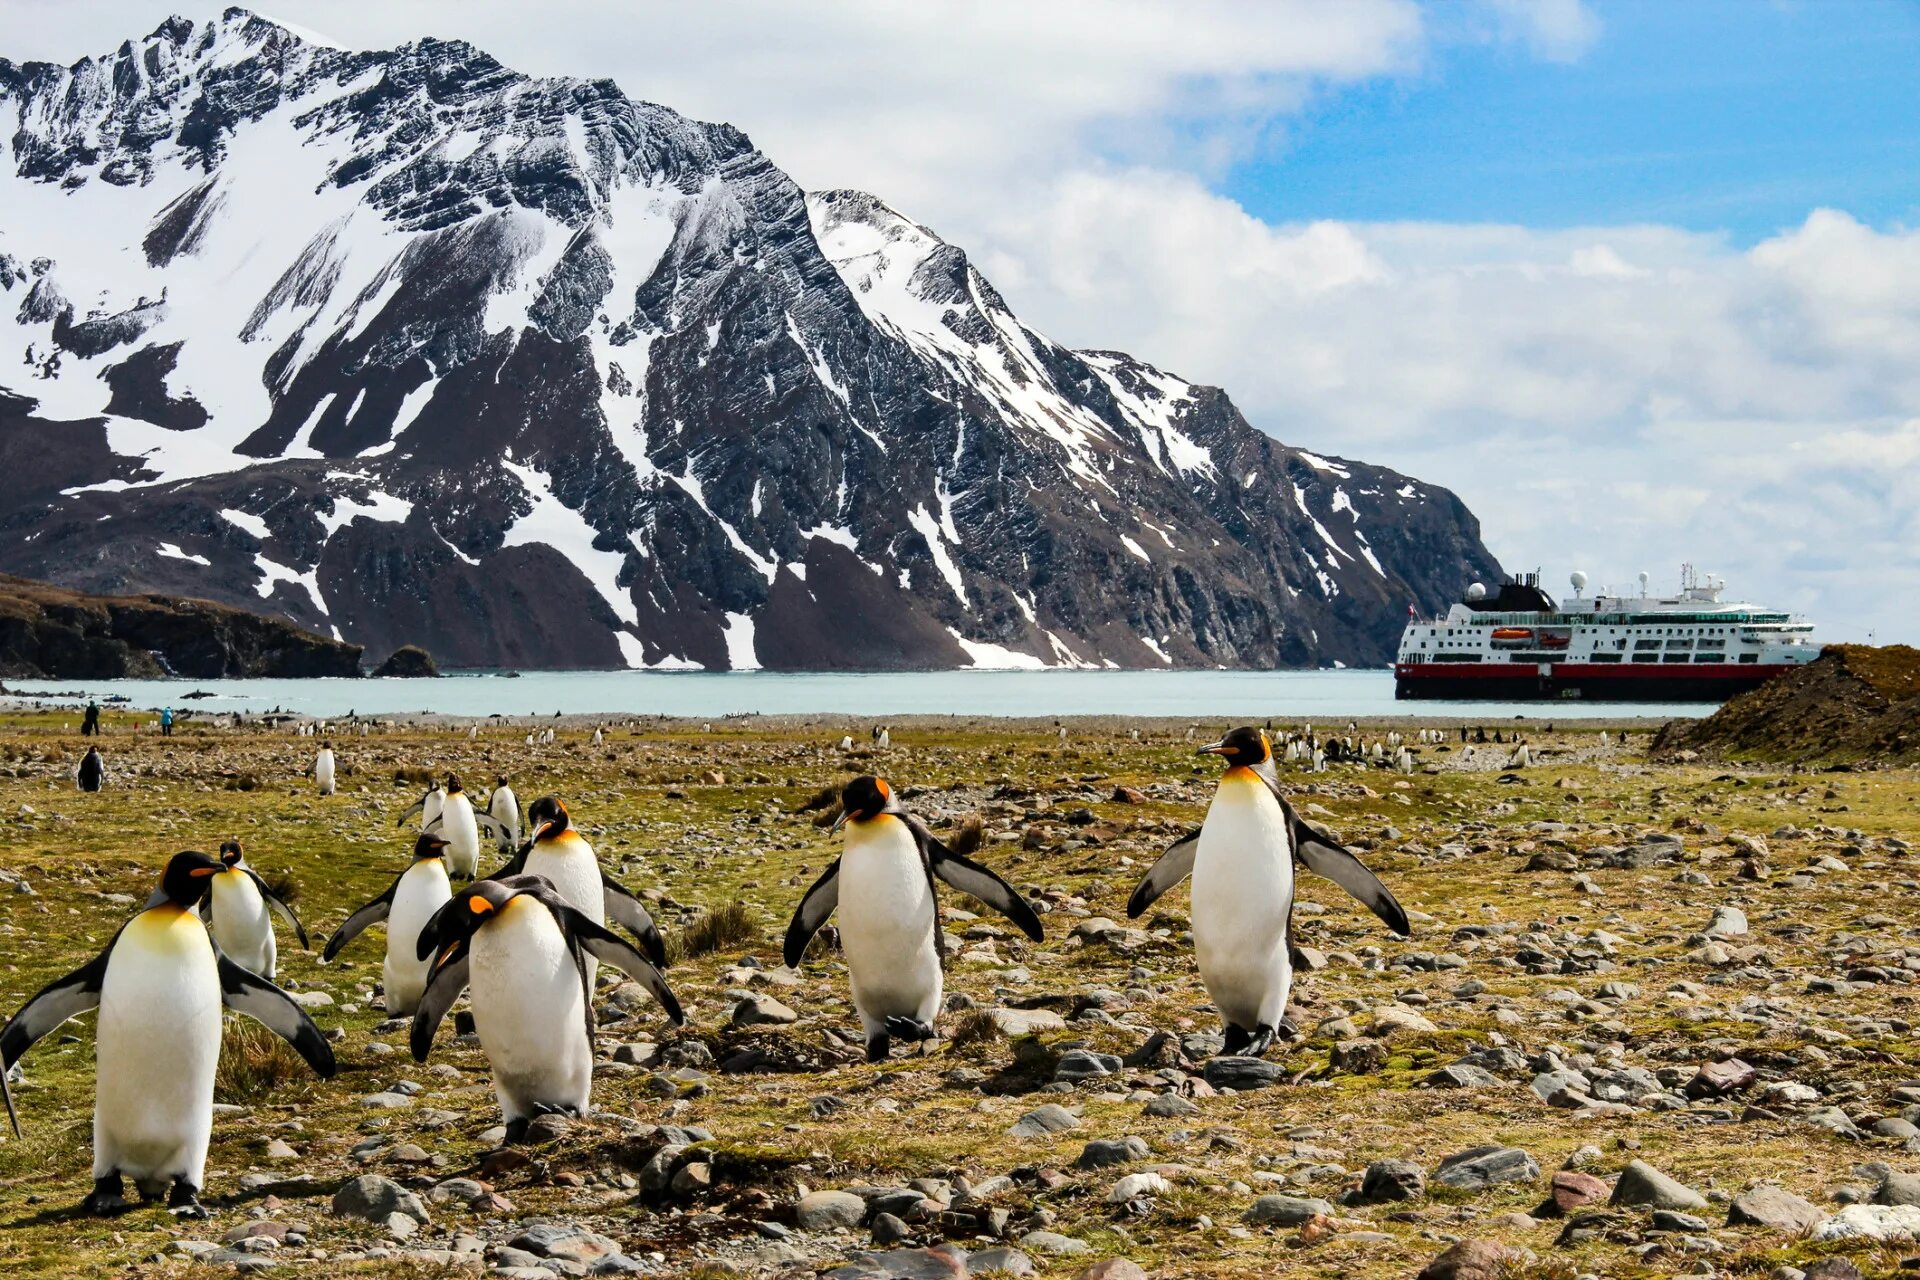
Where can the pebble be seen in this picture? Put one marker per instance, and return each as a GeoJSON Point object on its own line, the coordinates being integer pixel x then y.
{"type": "Point", "coordinates": [1286, 1211]}
{"type": "Point", "coordinates": [1389, 1180]}
{"type": "Point", "coordinates": [1640, 1184]}
{"type": "Point", "coordinates": [1481, 1167]}
{"type": "Point", "coordinates": [1894, 1222]}
{"type": "Point", "coordinates": [1103, 1153]}
{"type": "Point", "coordinates": [1774, 1207]}
{"type": "Point", "coordinates": [1052, 1242]}
{"type": "Point", "coordinates": [825, 1210]}
{"type": "Point", "coordinates": [373, 1198]}
{"type": "Point", "coordinates": [1044, 1121]}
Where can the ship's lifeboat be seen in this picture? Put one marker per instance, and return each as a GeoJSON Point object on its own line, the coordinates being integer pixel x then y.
{"type": "Point", "coordinates": [1512, 635]}
{"type": "Point", "coordinates": [1555, 640]}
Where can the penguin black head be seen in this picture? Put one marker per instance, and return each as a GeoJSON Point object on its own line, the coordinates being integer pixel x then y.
{"type": "Point", "coordinates": [500, 780]}
{"type": "Point", "coordinates": [453, 784]}
{"type": "Point", "coordinates": [484, 899]}
{"type": "Point", "coordinates": [185, 881]}
{"type": "Point", "coordinates": [428, 846]}
{"type": "Point", "coordinates": [864, 799]}
{"type": "Point", "coordinates": [230, 852]}
{"type": "Point", "coordinates": [1245, 747]}
{"type": "Point", "coordinates": [548, 817]}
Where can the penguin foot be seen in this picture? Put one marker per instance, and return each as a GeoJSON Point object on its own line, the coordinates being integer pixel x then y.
{"type": "Point", "coordinates": [106, 1198]}
{"type": "Point", "coordinates": [1234, 1040]}
{"type": "Point", "coordinates": [184, 1202]}
{"type": "Point", "coordinates": [910, 1029]}
{"type": "Point", "coordinates": [878, 1047]}
{"type": "Point", "coordinates": [517, 1130]}
{"type": "Point", "coordinates": [1259, 1042]}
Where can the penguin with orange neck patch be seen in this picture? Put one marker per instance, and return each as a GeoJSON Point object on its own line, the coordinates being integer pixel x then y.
{"type": "Point", "coordinates": [882, 885]}
{"type": "Point", "coordinates": [522, 950]}
{"type": "Point", "coordinates": [160, 986]}
{"type": "Point", "coordinates": [558, 852]}
{"type": "Point", "coordinates": [239, 908]}
{"type": "Point", "coordinates": [1241, 860]}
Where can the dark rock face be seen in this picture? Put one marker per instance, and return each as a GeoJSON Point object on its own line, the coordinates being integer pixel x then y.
{"type": "Point", "coordinates": [418, 350]}
{"type": "Point", "coordinates": [408, 662]}
{"type": "Point", "coordinates": [59, 634]}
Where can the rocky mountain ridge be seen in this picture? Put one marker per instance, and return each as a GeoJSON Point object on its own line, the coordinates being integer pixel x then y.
{"type": "Point", "coordinates": [410, 348]}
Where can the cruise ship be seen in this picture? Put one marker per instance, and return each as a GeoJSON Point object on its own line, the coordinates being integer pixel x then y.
{"type": "Point", "coordinates": [1517, 644]}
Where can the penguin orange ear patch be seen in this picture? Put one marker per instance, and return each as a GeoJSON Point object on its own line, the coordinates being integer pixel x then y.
{"type": "Point", "coordinates": [479, 906]}
{"type": "Point", "coordinates": [886, 792]}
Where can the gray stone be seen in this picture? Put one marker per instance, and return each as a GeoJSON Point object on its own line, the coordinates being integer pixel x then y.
{"type": "Point", "coordinates": [1054, 1243]}
{"type": "Point", "coordinates": [1171, 1106]}
{"type": "Point", "coordinates": [825, 1210]}
{"type": "Point", "coordinates": [1642, 1185]}
{"type": "Point", "coordinates": [762, 1011]}
{"type": "Point", "coordinates": [1775, 1208]}
{"type": "Point", "coordinates": [1899, 1222]}
{"type": "Point", "coordinates": [1083, 1064]}
{"type": "Point", "coordinates": [1459, 1075]}
{"type": "Point", "coordinates": [1103, 1153]}
{"type": "Point", "coordinates": [1481, 1167]}
{"type": "Point", "coordinates": [1243, 1073]}
{"type": "Point", "coordinates": [372, 1198]}
{"type": "Point", "coordinates": [1727, 922]}
{"type": "Point", "coordinates": [1898, 1188]}
{"type": "Point", "coordinates": [1044, 1121]}
{"type": "Point", "coordinates": [1388, 1180]}
{"type": "Point", "coordinates": [1286, 1211]}
{"type": "Point", "coordinates": [999, 1261]}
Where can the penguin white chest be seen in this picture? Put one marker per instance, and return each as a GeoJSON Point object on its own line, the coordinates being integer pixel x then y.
{"type": "Point", "coordinates": [887, 923]}
{"type": "Point", "coordinates": [530, 1011]}
{"type": "Point", "coordinates": [462, 835]}
{"type": "Point", "coordinates": [569, 862]}
{"type": "Point", "coordinates": [1242, 894]}
{"type": "Point", "coordinates": [323, 771]}
{"type": "Point", "coordinates": [241, 924]}
{"type": "Point", "coordinates": [423, 890]}
{"type": "Point", "coordinates": [156, 1048]}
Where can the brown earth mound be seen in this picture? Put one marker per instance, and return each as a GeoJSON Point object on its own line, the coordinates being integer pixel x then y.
{"type": "Point", "coordinates": [50, 632]}
{"type": "Point", "coordinates": [1853, 702]}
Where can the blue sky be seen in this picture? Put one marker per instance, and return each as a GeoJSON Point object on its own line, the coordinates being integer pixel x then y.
{"type": "Point", "coordinates": [1715, 115]}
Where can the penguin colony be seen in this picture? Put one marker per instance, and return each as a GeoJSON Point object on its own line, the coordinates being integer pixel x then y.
{"type": "Point", "coordinates": [524, 943]}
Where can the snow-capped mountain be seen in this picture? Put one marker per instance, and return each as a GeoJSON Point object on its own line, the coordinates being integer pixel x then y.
{"type": "Point", "coordinates": [412, 348]}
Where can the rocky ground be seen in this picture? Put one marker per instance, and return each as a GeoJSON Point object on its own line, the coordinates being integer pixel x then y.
{"type": "Point", "coordinates": [1654, 1021]}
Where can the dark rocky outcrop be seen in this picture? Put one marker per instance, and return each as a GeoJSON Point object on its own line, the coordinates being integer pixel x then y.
{"type": "Point", "coordinates": [59, 634]}
{"type": "Point", "coordinates": [408, 662]}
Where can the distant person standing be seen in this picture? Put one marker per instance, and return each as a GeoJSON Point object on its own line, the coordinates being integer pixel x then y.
{"type": "Point", "coordinates": [166, 722]}
{"type": "Point", "coordinates": [90, 725]}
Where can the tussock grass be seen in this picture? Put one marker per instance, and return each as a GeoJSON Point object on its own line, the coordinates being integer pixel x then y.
{"type": "Point", "coordinates": [719, 929]}
{"type": "Point", "coordinates": [257, 1065]}
{"type": "Point", "coordinates": [974, 1032]}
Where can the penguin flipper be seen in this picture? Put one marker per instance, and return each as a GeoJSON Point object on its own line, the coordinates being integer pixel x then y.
{"type": "Point", "coordinates": [281, 909]}
{"type": "Point", "coordinates": [812, 912]}
{"type": "Point", "coordinates": [1325, 856]}
{"type": "Point", "coordinates": [59, 1000]}
{"type": "Point", "coordinates": [357, 922]}
{"type": "Point", "coordinates": [970, 877]}
{"type": "Point", "coordinates": [414, 810]}
{"type": "Point", "coordinates": [610, 948]}
{"type": "Point", "coordinates": [516, 865]}
{"type": "Point", "coordinates": [489, 824]}
{"type": "Point", "coordinates": [248, 993]}
{"type": "Point", "coordinates": [1175, 865]}
{"type": "Point", "coordinates": [448, 981]}
{"type": "Point", "coordinates": [626, 910]}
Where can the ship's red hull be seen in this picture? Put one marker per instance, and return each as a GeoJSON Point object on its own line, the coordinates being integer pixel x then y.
{"type": "Point", "coordinates": [1593, 681]}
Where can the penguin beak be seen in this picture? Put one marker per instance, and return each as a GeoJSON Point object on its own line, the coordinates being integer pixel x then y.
{"type": "Point", "coordinates": [838, 823]}
{"type": "Point", "coordinates": [1219, 748]}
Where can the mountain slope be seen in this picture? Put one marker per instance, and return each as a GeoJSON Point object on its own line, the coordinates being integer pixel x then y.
{"type": "Point", "coordinates": [416, 349]}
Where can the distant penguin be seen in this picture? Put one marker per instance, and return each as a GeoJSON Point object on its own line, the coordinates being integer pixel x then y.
{"type": "Point", "coordinates": [409, 902]}
{"type": "Point", "coordinates": [504, 808]}
{"type": "Point", "coordinates": [91, 775]}
{"type": "Point", "coordinates": [1241, 860]}
{"type": "Point", "coordinates": [521, 948]}
{"type": "Point", "coordinates": [598, 736]}
{"type": "Point", "coordinates": [560, 855]}
{"type": "Point", "coordinates": [159, 986]}
{"type": "Point", "coordinates": [239, 907]}
{"type": "Point", "coordinates": [846, 742]}
{"type": "Point", "coordinates": [889, 918]}
{"type": "Point", "coordinates": [323, 768]}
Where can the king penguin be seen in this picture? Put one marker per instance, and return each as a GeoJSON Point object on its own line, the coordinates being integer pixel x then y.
{"type": "Point", "coordinates": [561, 855]}
{"type": "Point", "coordinates": [413, 898]}
{"type": "Point", "coordinates": [504, 808]}
{"type": "Point", "coordinates": [426, 808]}
{"type": "Point", "coordinates": [237, 907]}
{"type": "Point", "coordinates": [460, 825]}
{"type": "Point", "coordinates": [323, 768]}
{"type": "Point", "coordinates": [889, 919]}
{"type": "Point", "coordinates": [159, 986]}
{"type": "Point", "coordinates": [1241, 859]}
{"type": "Point", "coordinates": [521, 948]}
{"type": "Point", "coordinates": [91, 774]}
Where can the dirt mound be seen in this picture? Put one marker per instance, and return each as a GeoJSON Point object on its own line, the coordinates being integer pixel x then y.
{"type": "Point", "coordinates": [1853, 702]}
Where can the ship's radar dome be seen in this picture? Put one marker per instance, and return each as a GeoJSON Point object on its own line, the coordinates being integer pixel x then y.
{"type": "Point", "coordinates": [1645, 578]}
{"type": "Point", "coordinates": [1579, 580]}
{"type": "Point", "coordinates": [1477, 591]}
